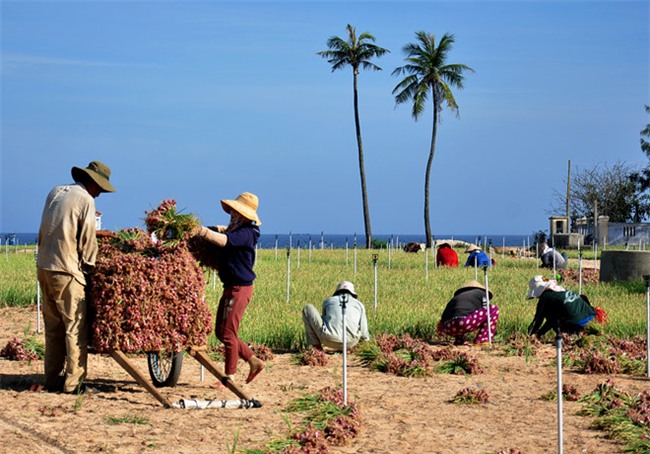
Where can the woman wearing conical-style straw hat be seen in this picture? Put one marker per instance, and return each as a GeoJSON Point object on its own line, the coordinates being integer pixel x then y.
{"type": "Point", "coordinates": [237, 242]}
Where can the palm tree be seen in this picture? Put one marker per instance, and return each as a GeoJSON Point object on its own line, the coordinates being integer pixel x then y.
{"type": "Point", "coordinates": [429, 73]}
{"type": "Point", "coordinates": [356, 52]}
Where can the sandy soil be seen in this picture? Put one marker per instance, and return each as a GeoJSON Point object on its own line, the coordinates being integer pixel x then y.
{"type": "Point", "coordinates": [400, 415]}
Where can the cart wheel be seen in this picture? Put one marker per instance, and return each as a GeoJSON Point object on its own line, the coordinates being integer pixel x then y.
{"type": "Point", "coordinates": [164, 367]}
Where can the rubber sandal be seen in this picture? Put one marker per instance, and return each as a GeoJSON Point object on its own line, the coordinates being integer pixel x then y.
{"type": "Point", "coordinates": [254, 373]}
{"type": "Point", "coordinates": [36, 388]}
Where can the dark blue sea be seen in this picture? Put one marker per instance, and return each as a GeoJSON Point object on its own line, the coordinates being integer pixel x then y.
{"type": "Point", "coordinates": [331, 240]}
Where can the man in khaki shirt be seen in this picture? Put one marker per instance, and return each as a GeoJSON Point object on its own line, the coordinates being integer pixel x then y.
{"type": "Point", "coordinates": [66, 254]}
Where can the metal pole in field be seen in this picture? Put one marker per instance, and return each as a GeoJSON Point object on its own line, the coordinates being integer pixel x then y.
{"type": "Point", "coordinates": [344, 300]}
{"type": "Point", "coordinates": [298, 264]}
{"type": "Point", "coordinates": [355, 254]}
{"type": "Point", "coordinates": [487, 297]}
{"type": "Point", "coordinates": [558, 343]}
{"type": "Point", "coordinates": [434, 256]}
{"type": "Point", "coordinates": [374, 262]}
{"type": "Point", "coordinates": [388, 246]}
{"type": "Point", "coordinates": [490, 250]}
{"type": "Point", "coordinates": [426, 263]}
{"type": "Point", "coordinates": [434, 245]}
{"type": "Point", "coordinates": [579, 272]}
{"type": "Point", "coordinates": [322, 241]}
{"type": "Point", "coordinates": [646, 278]}
{"type": "Point", "coordinates": [276, 248]}
{"type": "Point", "coordinates": [38, 296]}
{"type": "Point", "coordinates": [288, 273]}
{"type": "Point", "coordinates": [309, 248]}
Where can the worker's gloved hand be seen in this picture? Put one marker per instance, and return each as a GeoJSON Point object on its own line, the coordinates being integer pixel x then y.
{"type": "Point", "coordinates": [219, 239]}
{"type": "Point", "coordinates": [194, 230]}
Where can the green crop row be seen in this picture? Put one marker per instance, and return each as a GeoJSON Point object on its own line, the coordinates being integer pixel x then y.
{"type": "Point", "coordinates": [411, 292]}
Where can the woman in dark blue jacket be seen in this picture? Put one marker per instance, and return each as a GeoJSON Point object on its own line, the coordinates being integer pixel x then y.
{"type": "Point", "coordinates": [236, 261]}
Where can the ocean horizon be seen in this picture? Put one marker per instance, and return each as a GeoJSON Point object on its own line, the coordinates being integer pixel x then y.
{"type": "Point", "coordinates": [333, 240]}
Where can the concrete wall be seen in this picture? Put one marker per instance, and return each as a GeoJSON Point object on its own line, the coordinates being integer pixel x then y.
{"type": "Point", "coordinates": [629, 234]}
{"type": "Point", "coordinates": [624, 265]}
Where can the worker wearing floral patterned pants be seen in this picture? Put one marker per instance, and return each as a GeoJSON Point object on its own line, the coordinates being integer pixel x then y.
{"type": "Point", "coordinates": [467, 312]}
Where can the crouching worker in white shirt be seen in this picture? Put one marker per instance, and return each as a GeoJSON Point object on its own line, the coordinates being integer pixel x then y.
{"type": "Point", "coordinates": [326, 330]}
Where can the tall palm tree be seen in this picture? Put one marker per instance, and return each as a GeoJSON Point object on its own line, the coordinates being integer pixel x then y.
{"type": "Point", "coordinates": [356, 52]}
{"type": "Point", "coordinates": [428, 73]}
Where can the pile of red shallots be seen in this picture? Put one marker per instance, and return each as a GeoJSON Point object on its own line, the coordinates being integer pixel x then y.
{"type": "Point", "coordinates": [149, 296]}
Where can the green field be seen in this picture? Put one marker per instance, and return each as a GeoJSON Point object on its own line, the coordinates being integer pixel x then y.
{"type": "Point", "coordinates": [411, 294]}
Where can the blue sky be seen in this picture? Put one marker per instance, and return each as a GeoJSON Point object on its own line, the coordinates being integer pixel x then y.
{"type": "Point", "coordinates": [199, 101]}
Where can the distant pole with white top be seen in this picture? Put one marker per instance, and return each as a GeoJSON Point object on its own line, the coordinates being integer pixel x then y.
{"type": "Point", "coordinates": [579, 272]}
{"type": "Point", "coordinates": [343, 297]}
{"type": "Point", "coordinates": [487, 297]}
{"type": "Point", "coordinates": [288, 273]}
{"type": "Point", "coordinates": [646, 278]}
{"type": "Point", "coordinates": [426, 263]}
{"type": "Point", "coordinates": [298, 264]}
{"type": "Point", "coordinates": [355, 254]}
{"type": "Point", "coordinates": [374, 262]}
{"type": "Point", "coordinates": [434, 245]}
{"type": "Point", "coordinates": [38, 295]}
{"type": "Point", "coordinates": [558, 345]}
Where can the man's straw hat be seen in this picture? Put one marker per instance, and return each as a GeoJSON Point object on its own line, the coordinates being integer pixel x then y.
{"type": "Point", "coordinates": [96, 171]}
{"type": "Point", "coordinates": [245, 204]}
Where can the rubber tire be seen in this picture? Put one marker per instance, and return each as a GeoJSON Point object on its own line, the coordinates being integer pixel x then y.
{"type": "Point", "coordinates": [164, 368]}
